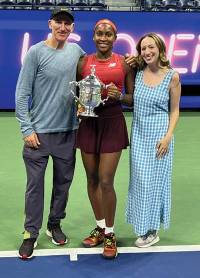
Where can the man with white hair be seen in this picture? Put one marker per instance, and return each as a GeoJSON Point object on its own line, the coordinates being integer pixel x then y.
{"type": "Point", "coordinates": [48, 126]}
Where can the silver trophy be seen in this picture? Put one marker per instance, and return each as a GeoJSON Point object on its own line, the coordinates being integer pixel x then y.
{"type": "Point", "coordinates": [89, 93]}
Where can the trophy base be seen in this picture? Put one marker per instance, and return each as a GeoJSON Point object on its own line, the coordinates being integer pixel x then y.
{"type": "Point", "coordinates": [88, 114]}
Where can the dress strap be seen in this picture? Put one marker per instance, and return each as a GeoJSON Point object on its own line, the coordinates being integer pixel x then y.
{"type": "Point", "coordinates": [168, 77]}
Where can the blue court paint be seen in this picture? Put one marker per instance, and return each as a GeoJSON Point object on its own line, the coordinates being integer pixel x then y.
{"type": "Point", "coordinates": [148, 265]}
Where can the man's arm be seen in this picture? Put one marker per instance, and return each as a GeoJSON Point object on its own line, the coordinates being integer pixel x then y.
{"type": "Point", "coordinates": [24, 92]}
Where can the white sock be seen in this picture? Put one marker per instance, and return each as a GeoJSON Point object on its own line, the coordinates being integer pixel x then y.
{"type": "Point", "coordinates": [101, 223]}
{"type": "Point", "coordinates": [109, 230]}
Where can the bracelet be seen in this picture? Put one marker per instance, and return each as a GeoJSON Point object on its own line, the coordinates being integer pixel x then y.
{"type": "Point", "coordinates": [121, 97]}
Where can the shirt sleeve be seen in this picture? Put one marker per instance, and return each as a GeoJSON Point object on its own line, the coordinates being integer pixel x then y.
{"type": "Point", "coordinates": [24, 89]}
{"type": "Point", "coordinates": [82, 52]}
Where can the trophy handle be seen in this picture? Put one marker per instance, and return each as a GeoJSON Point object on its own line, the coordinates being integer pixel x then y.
{"type": "Point", "coordinates": [74, 95]}
{"type": "Point", "coordinates": [107, 86]}
{"type": "Point", "coordinates": [103, 101]}
{"type": "Point", "coordinates": [78, 100]}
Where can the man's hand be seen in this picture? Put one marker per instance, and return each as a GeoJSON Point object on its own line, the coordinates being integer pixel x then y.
{"type": "Point", "coordinates": [32, 141]}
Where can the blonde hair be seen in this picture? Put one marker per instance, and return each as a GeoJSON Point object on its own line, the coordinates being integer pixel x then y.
{"type": "Point", "coordinates": [164, 62]}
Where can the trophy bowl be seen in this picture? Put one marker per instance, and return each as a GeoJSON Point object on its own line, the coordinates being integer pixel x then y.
{"type": "Point", "coordinates": [89, 93]}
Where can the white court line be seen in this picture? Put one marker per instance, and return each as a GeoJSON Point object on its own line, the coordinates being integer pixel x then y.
{"type": "Point", "coordinates": [74, 252]}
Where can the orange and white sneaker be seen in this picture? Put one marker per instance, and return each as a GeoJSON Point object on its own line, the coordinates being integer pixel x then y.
{"type": "Point", "coordinates": [110, 246]}
{"type": "Point", "coordinates": [95, 238]}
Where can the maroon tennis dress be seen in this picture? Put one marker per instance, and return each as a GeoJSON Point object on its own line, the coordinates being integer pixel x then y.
{"type": "Point", "coordinates": [108, 132]}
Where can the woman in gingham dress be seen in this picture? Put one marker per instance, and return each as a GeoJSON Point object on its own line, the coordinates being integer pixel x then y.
{"type": "Point", "coordinates": [156, 111]}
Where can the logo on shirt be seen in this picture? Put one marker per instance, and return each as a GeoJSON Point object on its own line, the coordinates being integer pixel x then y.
{"type": "Point", "coordinates": [112, 65]}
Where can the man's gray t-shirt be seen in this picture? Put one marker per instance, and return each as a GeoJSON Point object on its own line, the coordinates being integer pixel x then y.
{"type": "Point", "coordinates": [44, 85]}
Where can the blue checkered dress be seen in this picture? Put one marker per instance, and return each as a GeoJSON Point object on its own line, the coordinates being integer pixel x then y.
{"type": "Point", "coordinates": [149, 195]}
